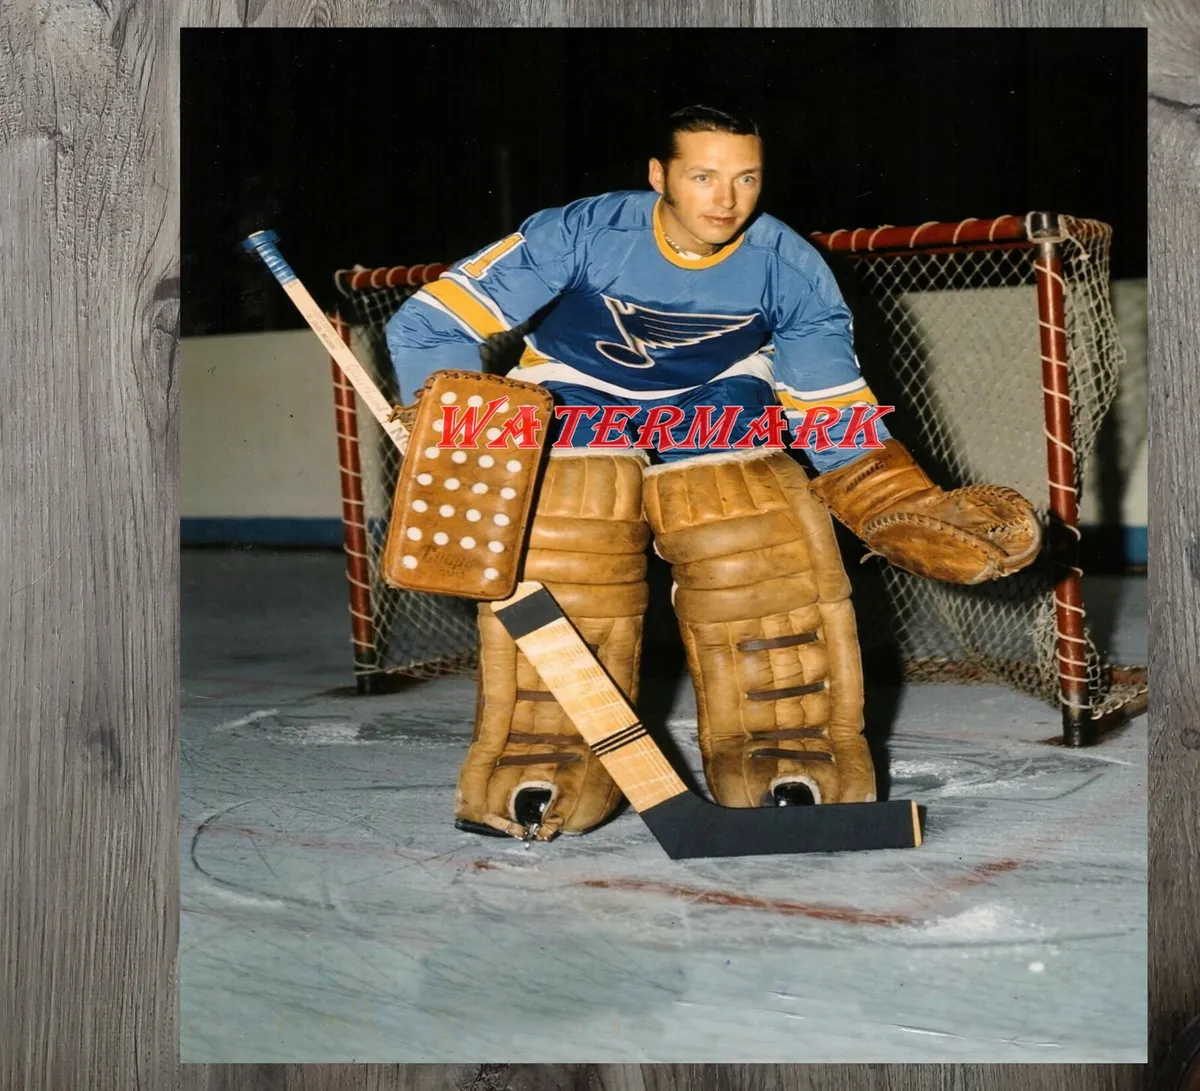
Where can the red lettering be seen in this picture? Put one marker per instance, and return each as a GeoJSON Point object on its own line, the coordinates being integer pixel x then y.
{"type": "Point", "coordinates": [572, 413]}
{"type": "Point", "coordinates": [660, 420]}
{"type": "Point", "coordinates": [769, 425]}
{"type": "Point", "coordinates": [610, 421]}
{"type": "Point", "coordinates": [468, 424]}
{"type": "Point", "coordinates": [703, 433]}
{"type": "Point", "coordinates": [525, 422]}
{"type": "Point", "coordinates": [818, 419]}
{"type": "Point", "coordinates": [866, 427]}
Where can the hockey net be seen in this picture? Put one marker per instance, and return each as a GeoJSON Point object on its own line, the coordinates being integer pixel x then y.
{"type": "Point", "coordinates": [956, 325]}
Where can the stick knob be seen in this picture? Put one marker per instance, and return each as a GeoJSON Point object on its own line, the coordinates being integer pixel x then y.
{"type": "Point", "coordinates": [263, 243]}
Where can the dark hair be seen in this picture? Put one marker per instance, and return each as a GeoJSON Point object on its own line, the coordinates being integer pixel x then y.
{"type": "Point", "coordinates": [700, 119]}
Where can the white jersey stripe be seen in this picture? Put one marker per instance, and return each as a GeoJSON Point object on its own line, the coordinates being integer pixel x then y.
{"type": "Point", "coordinates": [800, 415]}
{"type": "Point", "coordinates": [826, 392]}
{"type": "Point", "coordinates": [483, 299]}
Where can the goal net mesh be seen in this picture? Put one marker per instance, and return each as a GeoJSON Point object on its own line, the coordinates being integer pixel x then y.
{"type": "Point", "coordinates": [950, 337]}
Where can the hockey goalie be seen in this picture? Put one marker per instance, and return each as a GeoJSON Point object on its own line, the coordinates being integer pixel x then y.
{"type": "Point", "coordinates": [668, 322]}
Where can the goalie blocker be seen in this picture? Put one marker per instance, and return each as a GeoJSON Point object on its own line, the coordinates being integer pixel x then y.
{"type": "Point", "coordinates": [462, 502]}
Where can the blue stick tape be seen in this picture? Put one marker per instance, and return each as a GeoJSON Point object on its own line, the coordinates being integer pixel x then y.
{"type": "Point", "coordinates": [264, 243]}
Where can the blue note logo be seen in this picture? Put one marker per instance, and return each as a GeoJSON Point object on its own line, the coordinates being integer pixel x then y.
{"type": "Point", "coordinates": [644, 329]}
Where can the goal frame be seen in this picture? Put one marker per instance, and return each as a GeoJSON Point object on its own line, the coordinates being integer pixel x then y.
{"type": "Point", "coordinates": [1039, 233]}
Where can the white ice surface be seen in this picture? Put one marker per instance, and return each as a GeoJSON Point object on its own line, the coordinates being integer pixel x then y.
{"type": "Point", "coordinates": [331, 912]}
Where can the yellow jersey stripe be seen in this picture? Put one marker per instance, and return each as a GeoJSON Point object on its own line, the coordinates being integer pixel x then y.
{"type": "Point", "coordinates": [531, 357]}
{"type": "Point", "coordinates": [465, 306]}
{"type": "Point", "coordinates": [861, 396]}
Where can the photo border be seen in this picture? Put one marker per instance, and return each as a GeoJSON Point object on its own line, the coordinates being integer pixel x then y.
{"type": "Point", "coordinates": [89, 732]}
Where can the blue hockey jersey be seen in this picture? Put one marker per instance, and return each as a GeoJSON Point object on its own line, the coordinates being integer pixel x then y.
{"type": "Point", "coordinates": [638, 322]}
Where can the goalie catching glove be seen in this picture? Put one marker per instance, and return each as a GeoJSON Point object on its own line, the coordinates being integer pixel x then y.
{"type": "Point", "coordinates": [967, 535]}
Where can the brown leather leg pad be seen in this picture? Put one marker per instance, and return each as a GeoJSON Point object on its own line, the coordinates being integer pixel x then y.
{"type": "Point", "coordinates": [587, 545]}
{"type": "Point", "coordinates": [763, 604]}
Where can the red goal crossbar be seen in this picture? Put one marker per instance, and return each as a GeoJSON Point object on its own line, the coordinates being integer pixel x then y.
{"type": "Point", "coordinates": [390, 276]}
{"type": "Point", "coordinates": [923, 236]}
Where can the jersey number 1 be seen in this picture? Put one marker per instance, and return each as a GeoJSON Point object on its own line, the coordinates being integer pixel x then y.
{"type": "Point", "coordinates": [478, 267]}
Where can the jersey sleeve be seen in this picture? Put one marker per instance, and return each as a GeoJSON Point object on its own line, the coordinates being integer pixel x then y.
{"type": "Point", "coordinates": [444, 323]}
{"type": "Point", "coordinates": [815, 364]}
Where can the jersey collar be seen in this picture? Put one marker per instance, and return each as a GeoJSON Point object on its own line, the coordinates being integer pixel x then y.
{"type": "Point", "coordinates": [669, 253]}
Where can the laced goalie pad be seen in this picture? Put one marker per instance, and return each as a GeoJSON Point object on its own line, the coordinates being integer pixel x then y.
{"type": "Point", "coordinates": [948, 327]}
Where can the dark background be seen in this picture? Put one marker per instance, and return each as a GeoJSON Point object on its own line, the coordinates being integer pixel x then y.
{"type": "Point", "coordinates": [392, 147]}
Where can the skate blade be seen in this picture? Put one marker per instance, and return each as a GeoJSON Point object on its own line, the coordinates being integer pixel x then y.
{"type": "Point", "coordinates": [468, 826]}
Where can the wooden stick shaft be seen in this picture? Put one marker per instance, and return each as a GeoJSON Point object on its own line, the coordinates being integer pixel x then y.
{"type": "Point", "coordinates": [380, 409]}
{"type": "Point", "coordinates": [264, 243]}
{"type": "Point", "coordinates": [571, 672]}
{"type": "Point", "coordinates": [590, 698]}
{"type": "Point", "coordinates": [598, 709]}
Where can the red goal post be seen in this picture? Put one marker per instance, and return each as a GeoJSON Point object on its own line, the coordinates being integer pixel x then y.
{"type": "Point", "coordinates": [993, 337]}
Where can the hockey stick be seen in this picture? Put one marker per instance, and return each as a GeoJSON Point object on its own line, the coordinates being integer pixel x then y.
{"type": "Point", "coordinates": [684, 824]}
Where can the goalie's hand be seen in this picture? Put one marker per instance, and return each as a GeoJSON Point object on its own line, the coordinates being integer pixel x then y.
{"type": "Point", "coordinates": [968, 535]}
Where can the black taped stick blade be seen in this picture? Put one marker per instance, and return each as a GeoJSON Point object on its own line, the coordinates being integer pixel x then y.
{"type": "Point", "coordinates": [689, 827]}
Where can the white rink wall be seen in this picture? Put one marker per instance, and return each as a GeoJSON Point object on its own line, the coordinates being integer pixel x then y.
{"type": "Point", "coordinates": [258, 447]}
{"type": "Point", "coordinates": [259, 453]}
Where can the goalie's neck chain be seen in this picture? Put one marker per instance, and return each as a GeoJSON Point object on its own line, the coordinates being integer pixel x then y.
{"type": "Point", "coordinates": [685, 253]}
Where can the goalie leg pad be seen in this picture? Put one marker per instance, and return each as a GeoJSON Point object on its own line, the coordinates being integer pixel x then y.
{"type": "Point", "coordinates": [587, 545]}
{"type": "Point", "coordinates": [763, 605]}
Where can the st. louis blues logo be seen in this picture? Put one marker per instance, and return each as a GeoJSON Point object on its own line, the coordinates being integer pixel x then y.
{"type": "Point", "coordinates": [644, 329]}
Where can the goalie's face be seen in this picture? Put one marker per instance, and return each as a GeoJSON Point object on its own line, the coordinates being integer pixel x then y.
{"type": "Point", "coordinates": [709, 189]}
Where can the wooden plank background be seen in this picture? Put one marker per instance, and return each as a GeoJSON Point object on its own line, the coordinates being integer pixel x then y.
{"type": "Point", "coordinates": [89, 229]}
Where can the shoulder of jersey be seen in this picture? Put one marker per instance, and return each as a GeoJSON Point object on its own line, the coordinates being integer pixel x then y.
{"type": "Point", "coordinates": [768, 233]}
{"type": "Point", "coordinates": [622, 210]}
